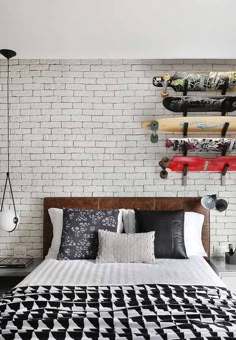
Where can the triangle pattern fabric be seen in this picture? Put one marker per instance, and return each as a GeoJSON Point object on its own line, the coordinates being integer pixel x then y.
{"type": "Point", "coordinates": [142, 312]}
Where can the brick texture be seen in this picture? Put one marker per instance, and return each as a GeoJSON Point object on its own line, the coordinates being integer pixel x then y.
{"type": "Point", "coordinates": [76, 131]}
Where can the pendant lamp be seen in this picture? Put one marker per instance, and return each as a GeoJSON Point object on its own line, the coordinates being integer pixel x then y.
{"type": "Point", "coordinates": [8, 218]}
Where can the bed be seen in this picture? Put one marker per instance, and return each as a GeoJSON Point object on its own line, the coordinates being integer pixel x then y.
{"type": "Point", "coordinates": [81, 299]}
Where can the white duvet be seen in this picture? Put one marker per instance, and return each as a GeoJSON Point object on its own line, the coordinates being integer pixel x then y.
{"type": "Point", "coordinates": [192, 271]}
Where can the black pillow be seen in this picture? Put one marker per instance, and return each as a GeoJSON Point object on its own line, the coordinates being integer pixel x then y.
{"type": "Point", "coordinates": [169, 231]}
{"type": "Point", "coordinates": [79, 238]}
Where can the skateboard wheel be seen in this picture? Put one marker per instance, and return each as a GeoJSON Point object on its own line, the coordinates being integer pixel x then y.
{"type": "Point", "coordinates": [163, 174]}
{"type": "Point", "coordinates": [166, 76]}
{"type": "Point", "coordinates": [154, 138]}
{"type": "Point", "coordinates": [154, 125]}
{"type": "Point", "coordinates": [164, 94]}
{"type": "Point", "coordinates": [164, 162]}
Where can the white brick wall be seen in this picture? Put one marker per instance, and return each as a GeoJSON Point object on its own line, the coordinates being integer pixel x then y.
{"type": "Point", "coordinates": [76, 131]}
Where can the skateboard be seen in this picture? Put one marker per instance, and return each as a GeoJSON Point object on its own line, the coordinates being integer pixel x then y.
{"type": "Point", "coordinates": [200, 104]}
{"type": "Point", "coordinates": [194, 124]}
{"type": "Point", "coordinates": [204, 145]}
{"type": "Point", "coordinates": [192, 163]}
{"type": "Point", "coordinates": [184, 81]}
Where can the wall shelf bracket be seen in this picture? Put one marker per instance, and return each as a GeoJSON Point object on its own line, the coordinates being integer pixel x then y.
{"type": "Point", "coordinates": [185, 129]}
{"type": "Point", "coordinates": [224, 150]}
{"type": "Point", "coordinates": [185, 110]}
{"type": "Point", "coordinates": [185, 173]}
{"type": "Point", "coordinates": [185, 149]}
{"type": "Point", "coordinates": [223, 173]}
{"type": "Point", "coordinates": [224, 129]}
{"type": "Point", "coordinates": [225, 87]}
{"type": "Point", "coordinates": [185, 89]}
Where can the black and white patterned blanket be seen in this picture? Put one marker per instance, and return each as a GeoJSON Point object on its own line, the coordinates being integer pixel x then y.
{"type": "Point", "coordinates": [118, 312]}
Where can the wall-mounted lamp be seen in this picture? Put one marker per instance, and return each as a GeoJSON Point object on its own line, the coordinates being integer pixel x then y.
{"type": "Point", "coordinates": [211, 202]}
{"type": "Point", "coordinates": [8, 218]}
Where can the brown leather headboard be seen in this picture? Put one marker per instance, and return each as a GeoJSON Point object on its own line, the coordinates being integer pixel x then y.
{"type": "Point", "coordinates": [145, 203]}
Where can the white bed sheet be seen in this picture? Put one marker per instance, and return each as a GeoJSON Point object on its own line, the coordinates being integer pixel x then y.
{"type": "Point", "coordinates": [192, 271]}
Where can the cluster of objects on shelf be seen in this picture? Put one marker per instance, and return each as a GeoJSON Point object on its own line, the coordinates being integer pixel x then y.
{"type": "Point", "coordinates": [185, 82]}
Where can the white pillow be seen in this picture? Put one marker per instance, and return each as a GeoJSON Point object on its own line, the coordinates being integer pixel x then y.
{"type": "Point", "coordinates": [193, 223]}
{"type": "Point", "coordinates": [125, 248]}
{"type": "Point", "coordinates": [129, 221]}
{"type": "Point", "coordinates": [56, 216]}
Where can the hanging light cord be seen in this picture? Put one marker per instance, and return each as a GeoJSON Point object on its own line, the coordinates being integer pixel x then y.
{"type": "Point", "coordinates": [8, 149]}
{"type": "Point", "coordinates": [8, 118]}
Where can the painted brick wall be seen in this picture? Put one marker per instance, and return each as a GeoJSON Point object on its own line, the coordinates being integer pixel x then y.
{"type": "Point", "coordinates": [76, 131]}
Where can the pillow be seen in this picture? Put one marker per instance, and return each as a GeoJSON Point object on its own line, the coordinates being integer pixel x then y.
{"type": "Point", "coordinates": [193, 223]}
{"type": "Point", "coordinates": [125, 248]}
{"type": "Point", "coordinates": [79, 238]}
{"type": "Point", "coordinates": [56, 216]}
{"type": "Point", "coordinates": [129, 221]}
{"type": "Point", "coordinates": [169, 231]}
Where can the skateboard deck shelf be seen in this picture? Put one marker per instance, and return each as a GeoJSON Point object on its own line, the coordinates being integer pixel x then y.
{"type": "Point", "coordinates": [202, 81]}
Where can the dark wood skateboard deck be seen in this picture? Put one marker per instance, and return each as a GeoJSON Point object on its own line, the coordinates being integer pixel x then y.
{"type": "Point", "coordinates": [200, 104]}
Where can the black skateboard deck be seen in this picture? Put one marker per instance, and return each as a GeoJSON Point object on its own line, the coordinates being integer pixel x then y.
{"type": "Point", "coordinates": [200, 104]}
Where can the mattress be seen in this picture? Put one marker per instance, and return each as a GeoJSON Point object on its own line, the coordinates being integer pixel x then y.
{"type": "Point", "coordinates": [169, 300]}
{"type": "Point", "coordinates": [192, 271]}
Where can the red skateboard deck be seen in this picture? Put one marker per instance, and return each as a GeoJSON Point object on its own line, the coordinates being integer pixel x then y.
{"type": "Point", "coordinates": [201, 164]}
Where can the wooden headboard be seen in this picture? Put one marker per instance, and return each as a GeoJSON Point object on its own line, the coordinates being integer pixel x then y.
{"type": "Point", "coordinates": [145, 203]}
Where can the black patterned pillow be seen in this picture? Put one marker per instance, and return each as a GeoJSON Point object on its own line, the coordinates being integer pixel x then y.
{"type": "Point", "coordinates": [79, 238]}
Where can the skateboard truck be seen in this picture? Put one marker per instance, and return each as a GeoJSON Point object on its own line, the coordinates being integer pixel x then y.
{"type": "Point", "coordinates": [154, 128]}
{"type": "Point", "coordinates": [224, 129]}
{"type": "Point", "coordinates": [185, 172]}
{"type": "Point", "coordinates": [163, 164]}
{"type": "Point", "coordinates": [166, 78]}
{"type": "Point", "coordinates": [223, 173]}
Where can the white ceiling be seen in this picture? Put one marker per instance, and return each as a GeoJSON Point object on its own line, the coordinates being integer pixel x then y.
{"type": "Point", "coordinates": [119, 28]}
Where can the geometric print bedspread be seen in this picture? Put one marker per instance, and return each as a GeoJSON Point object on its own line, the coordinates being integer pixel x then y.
{"type": "Point", "coordinates": [118, 312]}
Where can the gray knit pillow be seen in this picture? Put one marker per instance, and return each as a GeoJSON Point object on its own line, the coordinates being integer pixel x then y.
{"type": "Point", "coordinates": [125, 248]}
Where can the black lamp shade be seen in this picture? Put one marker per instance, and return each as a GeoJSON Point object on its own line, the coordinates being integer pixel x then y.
{"type": "Point", "coordinates": [221, 205]}
{"type": "Point", "coordinates": [8, 53]}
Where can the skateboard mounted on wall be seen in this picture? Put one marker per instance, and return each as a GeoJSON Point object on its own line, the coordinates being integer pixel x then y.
{"type": "Point", "coordinates": [201, 145]}
{"type": "Point", "coordinates": [186, 104]}
{"type": "Point", "coordinates": [190, 124]}
{"type": "Point", "coordinates": [186, 81]}
{"type": "Point", "coordinates": [193, 163]}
